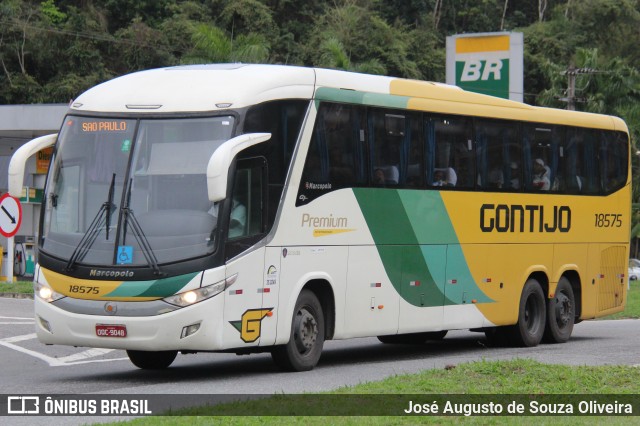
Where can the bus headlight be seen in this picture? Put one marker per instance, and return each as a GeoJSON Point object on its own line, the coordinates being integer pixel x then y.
{"type": "Point", "coordinates": [198, 295]}
{"type": "Point", "coordinates": [46, 293]}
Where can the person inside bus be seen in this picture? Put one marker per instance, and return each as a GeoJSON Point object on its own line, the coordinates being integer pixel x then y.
{"type": "Point", "coordinates": [540, 175]}
{"type": "Point", "coordinates": [495, 177]}
{"type": "Point", "coordinates": [444, 177]}
{"type": "Point", "coordinates": [515, 175]}
{"type": "Point", "coordinates": [379, 178]}
{"type": "Point", "coordinates": [237, 220]}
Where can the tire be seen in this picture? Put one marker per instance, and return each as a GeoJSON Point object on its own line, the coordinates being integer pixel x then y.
{"type": "Point", "coordinates": [303, 351]}
{"type": "Point", "coordinates": [561, 314]}
{"type": "Point", "coordinates": [152, 360]}
{"type": "Point", "coordinates": [412, 338]}
{"type": "Point", "coordinates": [532, 316]}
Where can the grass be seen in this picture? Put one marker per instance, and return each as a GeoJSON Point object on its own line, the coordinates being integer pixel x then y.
{"type": "Point", "coordinates": [21, 287]}
{"type": "Point", "coordinates": [476, 382]}
{"type": "Point", "coordinates": [632, 308]}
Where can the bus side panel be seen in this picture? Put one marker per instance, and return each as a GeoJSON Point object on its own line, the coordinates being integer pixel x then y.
{"type": "Point", "coordinates": [422, 288]}
{"type": "Point", "coordinates": [612, 285]}
{"type": "Point", "coordinates": [270, 295]}
{"type": "Point", "coordinates": [464, 289]}
{"type": "Point", "coordinates": [301, 265]}
{"type": "Point", "coordinates": [605, 289]}
{"type": "Point", "coordinates": [590, 285]}
{"type": "Point", "coordinates": [372, 302]}
{"type": "Point", "coordinates": [243, 309]}
{"type": "Point", "coordinates": [569, 257]}
{"type": "Point", "coordinates": [508, 267]}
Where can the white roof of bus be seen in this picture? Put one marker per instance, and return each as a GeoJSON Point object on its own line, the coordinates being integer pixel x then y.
{"type": "Point", "coordinates": [192, 88]}
{"type": "Point", "coordinates": [202, 88]}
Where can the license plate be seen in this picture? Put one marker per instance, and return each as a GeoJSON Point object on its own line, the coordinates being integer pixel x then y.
{"type": "Point", "coordinates": [106, 330]}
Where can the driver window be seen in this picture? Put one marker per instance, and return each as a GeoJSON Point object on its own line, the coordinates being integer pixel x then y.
{"type": "Point", "coordinates": [246, 217]}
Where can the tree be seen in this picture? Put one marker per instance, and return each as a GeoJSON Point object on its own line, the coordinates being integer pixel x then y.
{"type": "Point", "coordinates": [364, 38]}
{"type": "Point", "coordinates": [212, 44]}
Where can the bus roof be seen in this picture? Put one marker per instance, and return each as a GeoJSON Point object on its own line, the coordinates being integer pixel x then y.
{"type": "Point", "coordinates": [214, 87]}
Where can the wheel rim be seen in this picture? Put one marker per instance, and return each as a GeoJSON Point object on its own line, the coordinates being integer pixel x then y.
{"type": "Point", "coordinates": [306, 331]}
{"type": "Point", "coordinates": [563, 310]}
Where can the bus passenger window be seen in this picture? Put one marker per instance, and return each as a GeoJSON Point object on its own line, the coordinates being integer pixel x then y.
{"type": "Point", "coordinates": [336, 156]}
{"type": "Point", "coordinates": [449, 140]}
{"type": "Point", "coordinates": [498, 155]}
{"type": "Point", "coordinates": [543, 162]}
{"type": "Point", "coordinates": [614, 160]}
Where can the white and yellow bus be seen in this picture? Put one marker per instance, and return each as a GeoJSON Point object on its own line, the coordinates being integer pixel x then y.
{"type": "Point", "coordinates": [254, 208]}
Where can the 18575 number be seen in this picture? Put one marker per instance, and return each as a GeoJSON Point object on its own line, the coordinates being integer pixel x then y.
{"type": "Point", "coordinates": [84, 289]}
{"type": "Point", "coordinates": [605, 220]}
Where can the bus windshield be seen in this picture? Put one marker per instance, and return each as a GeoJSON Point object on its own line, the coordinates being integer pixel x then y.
{"type": "Point", "coordinates": [132, 192]}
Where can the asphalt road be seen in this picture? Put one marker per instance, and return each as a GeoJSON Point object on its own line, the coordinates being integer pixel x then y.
{"type": "Point", "coordinates": [28, 367]}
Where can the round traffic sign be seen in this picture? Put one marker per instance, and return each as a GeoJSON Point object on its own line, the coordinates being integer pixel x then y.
{"type": "Point", "coordinates": [10, 215]}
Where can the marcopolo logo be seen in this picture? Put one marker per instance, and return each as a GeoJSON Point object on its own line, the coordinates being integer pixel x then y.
{"type": "Point", "coordinates": [111, 273]}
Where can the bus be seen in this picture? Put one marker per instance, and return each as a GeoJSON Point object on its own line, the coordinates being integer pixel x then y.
{"type": "Point", "coordinates": [265, 208]}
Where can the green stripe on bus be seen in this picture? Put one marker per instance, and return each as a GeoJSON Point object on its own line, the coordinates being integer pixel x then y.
{"type": "Point", "coordinates": [154, 288]}
{"type": "Point", "coordinates": [361, 98]}
{"type": "Point", "coordinates": [417, 243]}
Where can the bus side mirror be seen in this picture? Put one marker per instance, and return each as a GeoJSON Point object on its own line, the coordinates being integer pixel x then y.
{"type": "Point", "coordinates": [218, 167]}
{"type": "Point", "coordinates": [19, 161]}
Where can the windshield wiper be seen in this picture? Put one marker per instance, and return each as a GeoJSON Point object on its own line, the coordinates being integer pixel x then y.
{"type": "Point", "coordinates": [138, 233]}
{"type": "Point", "coordinates": [102, 217]}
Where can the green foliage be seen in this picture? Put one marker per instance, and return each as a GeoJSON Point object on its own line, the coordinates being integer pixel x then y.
{"type": "Point", "coordinates": [212, 44]}
{"type": "Point", "coordinates": [51, 12]}
{"type": "Point", "coordinates": [52, 50]}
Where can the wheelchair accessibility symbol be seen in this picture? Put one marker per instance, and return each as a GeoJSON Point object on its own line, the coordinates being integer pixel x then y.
{"type": "Point", "coordinates": [125, 254]}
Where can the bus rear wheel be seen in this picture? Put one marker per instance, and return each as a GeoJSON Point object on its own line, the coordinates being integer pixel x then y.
{"type": "Point", "coordinates": [303, 351]}
{"type": "Point", "coordinates": [148, 360]}
{"type": "Point", "coordinates": [561, 313]}
{"type": "Point", "coordinates": [531, 316]}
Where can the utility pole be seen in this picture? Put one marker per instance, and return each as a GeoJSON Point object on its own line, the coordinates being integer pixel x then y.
{"type": "Point", "coordinates": [571, 74]}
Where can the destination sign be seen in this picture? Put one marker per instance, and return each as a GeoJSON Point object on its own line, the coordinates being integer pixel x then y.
{"type": "Point", "coordinates": [104, 126]}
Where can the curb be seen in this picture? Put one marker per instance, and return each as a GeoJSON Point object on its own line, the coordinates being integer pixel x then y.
{"type": "Point", "coordinates": [17, 295]}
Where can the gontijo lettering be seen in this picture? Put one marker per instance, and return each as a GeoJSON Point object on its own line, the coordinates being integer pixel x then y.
{"type": "Point", "coordinates": [524, 218]}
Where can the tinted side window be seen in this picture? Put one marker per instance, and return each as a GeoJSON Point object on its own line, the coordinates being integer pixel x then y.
{"type": "Point", "coordinates": [498, 156]}
{"type": "Point", "coordinates": [541, 156]}
{"type": "Point", "coordinates": [396, 148]}
{"type": "Point", "coordinates": [450, 154]}
{"type": "Point", "coordinates": [613, 160]}
{"type": "Point", "coordinates": [337, 152]}
{"type": "Point", "coordinates": [283, 119]}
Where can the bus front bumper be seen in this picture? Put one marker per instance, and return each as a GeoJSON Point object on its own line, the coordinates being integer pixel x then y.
{"type": "Point", "coordinates": [193, 328]}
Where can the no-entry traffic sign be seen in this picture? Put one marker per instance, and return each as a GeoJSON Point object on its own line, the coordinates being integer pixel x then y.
{"type": "Point", "coordinates": [10, 215]}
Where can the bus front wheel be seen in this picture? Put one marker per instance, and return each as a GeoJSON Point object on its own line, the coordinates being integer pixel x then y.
{"type": "Point", "coordinates": [303, 351]}
{"type": "Point", "coordinates": [531, 316]}
{"type": "Point", "coordinates": [561, 313]}
{"type": "Point", "coordinates": [152, 360]}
